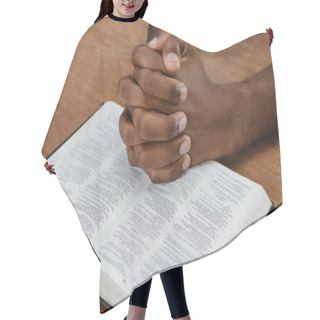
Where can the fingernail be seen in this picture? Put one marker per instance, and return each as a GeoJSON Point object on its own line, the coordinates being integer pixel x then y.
{"type": "Point", "coordinates": [172, 57]}
{"type": "Point", "coordinates": [183, 92]}
{"type": "Point", "coordinates": [152, 42]}
{"type": "Point", "coordinates": [182, 124]}
{"type": "Point", "coordinates": [185, 147]}
{"type": "Point", "coordinates": [185, 163]}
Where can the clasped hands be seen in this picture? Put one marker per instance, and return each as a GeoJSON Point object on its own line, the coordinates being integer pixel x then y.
{"type": "Point", "coordinates": [174, 115]}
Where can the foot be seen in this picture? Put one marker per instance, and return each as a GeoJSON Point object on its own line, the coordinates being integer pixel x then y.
{"type": "Point", "coordinates": [136, 313]}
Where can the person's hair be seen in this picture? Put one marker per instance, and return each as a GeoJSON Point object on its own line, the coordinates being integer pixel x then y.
{"type": "Point", "coordinates": [106, 7]}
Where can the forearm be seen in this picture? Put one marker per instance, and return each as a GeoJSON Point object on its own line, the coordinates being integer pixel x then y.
{"type": "Point", "coordinates": [255, 113]}
{"type": "Point", "coordinates": [238, 62]}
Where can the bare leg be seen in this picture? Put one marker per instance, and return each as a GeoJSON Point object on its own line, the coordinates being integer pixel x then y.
{"type": "Point", "coordinates": [184, 318]}
{"type": "Point", "coordinates": [138, 302]}
{"type": "Point", "coordinates": [136, 313]}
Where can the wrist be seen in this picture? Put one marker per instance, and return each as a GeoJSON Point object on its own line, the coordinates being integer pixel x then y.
{"type": "Point", "coordinates": [255, 108]}
{"type": "Point", "coordinates": [227, 102]}
{"type": "Point", "coordinates": [244, 122]}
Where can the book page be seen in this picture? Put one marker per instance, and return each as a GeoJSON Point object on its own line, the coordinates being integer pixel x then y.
{"type": "Point", "coordinates": [175, 223]}
{"type": "Point", "coordinates": [138, 228]}
{"type": "Point", "coordinates": [93, 170]}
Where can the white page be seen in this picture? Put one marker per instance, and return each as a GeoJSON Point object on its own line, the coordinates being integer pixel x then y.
{"type": "Point", "coordinates": [93, 170]}
{"type": "Point", "coordinates": [138, 228]}
{"type": "Point", "coordinates": [176, 223]}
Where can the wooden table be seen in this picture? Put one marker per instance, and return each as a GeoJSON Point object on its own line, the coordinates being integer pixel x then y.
{"type": "Point", "coordinates": [103, 56]}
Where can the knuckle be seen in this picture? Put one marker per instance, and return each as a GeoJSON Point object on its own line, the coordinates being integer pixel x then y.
{"type": "Point", "coordinates": [171, 130]}
{"type": "Point", "coordinates": [174, 94]}
{"type": "Point", "coordinates": [124, 91]}
{"type": "Point", "coordinates": [173, 43]}
{"type": "Point", "coordinates": [173, 173]}
{"type": "Point", "coordinates": [131, 157]}
{"type": "Point", "coordinates": [167, 107]}
{"type": "Point", "coordinates": [172, 39]}
{"type": "Point", "coordinates": [126, 95]}
{"type": "Point", "coordinates": [158, 104]}
{"type": "Point", "coordinates": [136, 73]}
{"type": "Point", "coordinates": [138, 54]}
{"type": "Point", "coordinates": [139, 156]}
{"type": "Point", "coordinates": [124, 129]}
{"type": "Point", "coordinates": [124, 133]}
{"type": "Point", "coordinates": [139, 125]}
{"type": "Point", "coordinates": [146, 78]}
{"type": "Point", "coordinates": [153, 176]}
{"type": "Point", "coordinates": [142, 126]}
{"type": "Point", "coordinates": [149, 101]}
{"type": "Point", "coordinates": [120, 88]}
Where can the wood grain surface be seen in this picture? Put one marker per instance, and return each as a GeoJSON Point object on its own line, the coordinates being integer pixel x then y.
{"type": "Point", "coordinates": [103, 57]}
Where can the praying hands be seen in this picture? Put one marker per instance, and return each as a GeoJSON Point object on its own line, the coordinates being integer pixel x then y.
{"type": "Point", "coordinates": [176, 116]}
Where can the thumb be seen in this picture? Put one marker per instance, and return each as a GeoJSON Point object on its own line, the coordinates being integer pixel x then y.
{"type": "Point", "coordinates": [159, 37]}
{"type": "Point", "coordinates": [171, 48]}
{"type": "Point", "coordinates": [171, 53]}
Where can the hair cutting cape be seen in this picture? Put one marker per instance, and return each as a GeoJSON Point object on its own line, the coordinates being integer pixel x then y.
{"type": "Point", "coordinates": [148, 240]}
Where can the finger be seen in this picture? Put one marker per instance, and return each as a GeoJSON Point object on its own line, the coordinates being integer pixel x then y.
{"type": "Point", "coordinates": [155, 126]}
{"type": "Point", "coordinates": [172, 52]}
{"type": "Point", "coordinates": [131, 94]}
{"type": "Point", "coordinates": [171, 172]}
{"type": "Point", "coordinates": [128, 132]}
{"type": "Point", "coordinates": [147, 58]}
{"type": "Point", "coordinates": [158, 85]}
{"type": "Point", "coordinates": [172, 49]}
{"type": "Point", "coordinates": [158, 154]}
{"type": "Point", "coordinates": [158, 38]}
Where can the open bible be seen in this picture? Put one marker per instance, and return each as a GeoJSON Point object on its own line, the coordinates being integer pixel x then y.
{"type": "Point", "coordinates": [137, 228]}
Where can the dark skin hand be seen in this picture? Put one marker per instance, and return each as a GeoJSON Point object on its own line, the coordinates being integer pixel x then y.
{"type": "Point", "coordinates": [177, 117]}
